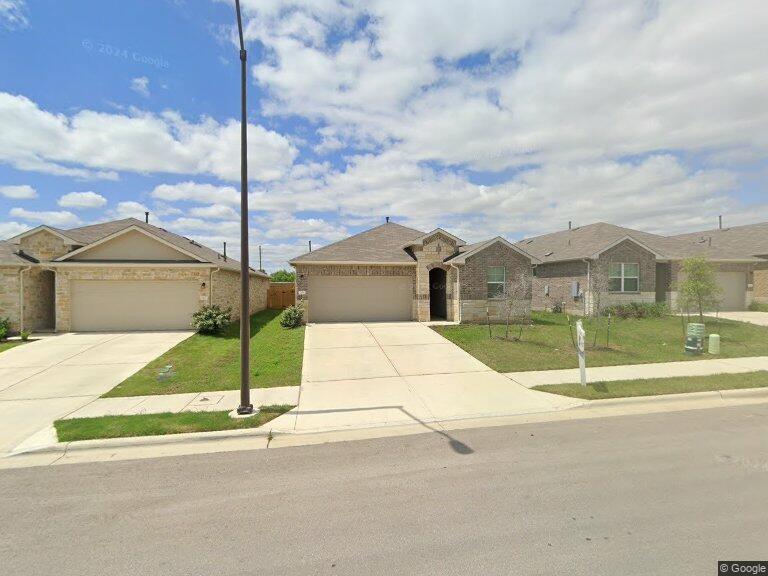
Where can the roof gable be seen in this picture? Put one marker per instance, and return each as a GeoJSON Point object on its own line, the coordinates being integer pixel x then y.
{"type": "Point", "coordinates": [131, 244]}
{"type": "Point", "coordinates": [474, 249]}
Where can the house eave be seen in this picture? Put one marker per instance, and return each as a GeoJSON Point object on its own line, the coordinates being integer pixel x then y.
{"type": "Point", "coordinates": [348, 263]}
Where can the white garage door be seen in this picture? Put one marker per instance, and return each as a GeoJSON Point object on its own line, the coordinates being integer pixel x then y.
{"type": "Point", "coordinates": [359, 299]}
{"type": "Point", "coordinates": [734, 289]}
{"type": "Point", "coordinates": [133, 305]}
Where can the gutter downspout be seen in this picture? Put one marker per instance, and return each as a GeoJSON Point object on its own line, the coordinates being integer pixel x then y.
{"type": "Point", "coordinates": [210, 286]}
{"type": "Point", "coordinates": [21, 297]}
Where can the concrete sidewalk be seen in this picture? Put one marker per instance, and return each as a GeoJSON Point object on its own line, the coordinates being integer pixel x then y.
{"type": "Point", "coordinates": [642, 371]}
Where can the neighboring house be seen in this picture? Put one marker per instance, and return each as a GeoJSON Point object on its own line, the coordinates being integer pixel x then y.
{"type": "Point", "coordinates": [394, 273]}
{"type": "Point", "coordinates": [120, 275]}
{"type": "Point", "coordinates": [635, 266]}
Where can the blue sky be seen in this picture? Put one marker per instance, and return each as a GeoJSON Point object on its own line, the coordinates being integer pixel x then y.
{"type": "Point", "coordinates": [483, 118]}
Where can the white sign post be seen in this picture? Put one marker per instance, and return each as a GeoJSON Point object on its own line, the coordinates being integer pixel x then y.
{"type": "Point", "coordinates": [581, 338]}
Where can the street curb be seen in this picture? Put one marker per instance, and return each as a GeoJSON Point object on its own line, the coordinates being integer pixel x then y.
{"type": "Point", "coordinates": [584, 410]}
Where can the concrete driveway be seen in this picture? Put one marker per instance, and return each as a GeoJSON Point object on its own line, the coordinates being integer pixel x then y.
{"type": "Point", "coordinates": [760, 318]}
{"type": "Point", "coordinates": [374, 374]}
{"type": "Point", "coordinates": [47, 379]}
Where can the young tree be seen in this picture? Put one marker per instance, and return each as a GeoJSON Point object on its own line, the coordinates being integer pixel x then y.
{"type": "Point", "coordinates": [599, 290]}
{"type": "Point", "coordinates": [699, 289]}
{"type": "Point", "coordinates": [283, 276]}
{"type": "Point", "coordinates": [517, 303]}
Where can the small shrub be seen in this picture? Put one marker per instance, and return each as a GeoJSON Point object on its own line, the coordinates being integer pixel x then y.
{"type": "Point", "coordinates": [758, 307]}
{"type": "Point", "coordinates": [5, 327]}
{"type": "Point", "coordinates": [557, 308]}
{"type": "Point", "coordinates": [292, 317]}
{"type": "Point", "coordinates": [25, 335]}
{"type": "Point", "coordinates": [638, 310]}
{"type": "Point", "coordinates": [211, 319]}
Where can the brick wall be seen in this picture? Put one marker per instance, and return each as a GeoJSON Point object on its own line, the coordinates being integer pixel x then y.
{"type": "Point", "coordinates": [629, 253]}
{"type": "Point", "coordinates": [39, 300]}
{"type": "Point", "coordinates": [435, 249]}
{"type": "Point", "coordinates": [65, 276]}
{"type": "Point", "coordinates": [558, 277]}
{"type": "Point", "coordinates": [9, 295]}
{"type": "Point", "coordinates": [473, 282]}
{"type": "Point", "coordinates": [225, 291]}
{"type": "Point", "coordinates": [304, 271]}
{"type": "Point", "coordinates": [760, 277]}
{"type": "Point", "coordinates": [44, 246]}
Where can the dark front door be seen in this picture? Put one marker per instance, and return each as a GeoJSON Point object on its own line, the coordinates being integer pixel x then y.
{"type": "Point", "coordinates": [437, 299]}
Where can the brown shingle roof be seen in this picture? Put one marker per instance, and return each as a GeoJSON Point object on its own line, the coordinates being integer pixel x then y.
{"type": "Point", "coordinates": [735, 243]}
{"type": "Point", "coordinates": [377, 245]}
{"type": "Point", "coordinates": [8, 256]}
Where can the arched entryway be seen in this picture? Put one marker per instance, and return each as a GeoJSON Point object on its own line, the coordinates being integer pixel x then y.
{"type": "Point", "coordinates": [438, 309]}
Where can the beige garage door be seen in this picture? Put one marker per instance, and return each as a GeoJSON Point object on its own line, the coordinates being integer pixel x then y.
{"type": "Point", "coordinates": [135, 305]}
{"type": "Point", "coordinates": [734, 287]}
{"type": "Point", "coordinates": [358, 299]}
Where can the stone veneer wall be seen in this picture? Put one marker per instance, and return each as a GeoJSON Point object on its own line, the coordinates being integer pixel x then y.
{"type": "Point", "coordinates": [65, 276]}
{"type": "Point", "coordinates": [473, 287]}
{"type": "Point", "coordinates": [44, 246]}
{"type": "Point", "coordinates": [225, 289]}
{"type": "Point", "coordinates": [304, 271]}
{"type": "Point", "coordinates": [760, 276]}
{"type": "Point", "coordinates": [559, 276]}
{"type": "Point", "coordinates": [39, 300]}
{"type": "Point", "coordinates": [9, 295]}
{"type": "Point", "coordinates": [431, 254]}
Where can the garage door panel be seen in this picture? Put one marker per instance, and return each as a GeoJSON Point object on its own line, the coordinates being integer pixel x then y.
{"type": "Point", "coordinates": [360, 299]}
{"type": "Point", "coordinates": [133, 305]}
{"type": "Point", "coordinates": [734, 288]}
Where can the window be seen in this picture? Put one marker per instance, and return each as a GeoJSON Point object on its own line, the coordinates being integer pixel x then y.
{"type": "Point", "coordinates": [623, 277]}
{"type": "Point", "coordinates": [496, 277]}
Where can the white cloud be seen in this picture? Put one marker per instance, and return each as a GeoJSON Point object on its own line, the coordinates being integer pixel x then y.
{"type": "Point", "coordinates": [58, 219]}
{"type": "Point", "coordinates": [195, 192]}
{"type": "Point", "coordinates": [13, 14]}
{"type": "Point", "coordinates": [21, 192]}
{"type": "Point", "coordinates": [11, 229]}
{"type": "Point", "coordinates": [140, 85]}
{"type": "Point", "coordinates": [132, 209]}
{"type": "Point", "coordinates": [100, 144]}
{"type": "Point", "coordinates": [82, 200]}
{"type": "Point", "coordinates": [215, 211]}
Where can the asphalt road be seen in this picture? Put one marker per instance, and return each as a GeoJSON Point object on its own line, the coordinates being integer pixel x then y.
{"type": "Point", "coordinates": [655, 494]}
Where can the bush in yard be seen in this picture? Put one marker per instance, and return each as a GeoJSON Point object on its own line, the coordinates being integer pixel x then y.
{"type": "Point", "coordinates": [758, 307]}
{"type": "Point", "coordinates": [5, 327]}
{"type": "Point", "coordinates": [292, 317]}
{"type": "Point", "coordinates": [211, 319]}
{"type": "Point", "coordinates": [638, 310]}
{"type": "Point", "coordinates": [25, 335]}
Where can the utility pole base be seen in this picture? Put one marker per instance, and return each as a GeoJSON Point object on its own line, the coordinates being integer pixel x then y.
{"type": "Point", "coordinates": [244, 412]}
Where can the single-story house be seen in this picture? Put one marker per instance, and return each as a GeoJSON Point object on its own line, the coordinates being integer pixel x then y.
{"type": "Point", "coordinates": [119, 275]}
{"type": "Point", "coordinates": [395, 273]}
{"type": "Point", "coordinates": [620, 265]}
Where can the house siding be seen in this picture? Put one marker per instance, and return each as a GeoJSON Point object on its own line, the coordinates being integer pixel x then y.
{"type": "Point", "coordinates": [305, 271]}
{"type": "Point", "coordinates": [630, 253]}
{"type": "Point", "coordinates": [473, 289]}
{"type": "Point", "coordinates": [760, 277]}
{"type": "Point", "coordinates": [431, 254]}
{"type": "Point", "coordinates": [44, 246]}
{"type": "Point", "coordinates": [558, 277]}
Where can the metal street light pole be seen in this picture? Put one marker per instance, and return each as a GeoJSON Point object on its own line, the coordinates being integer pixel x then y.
{"type": "Point", "coordinates": [245, 318]}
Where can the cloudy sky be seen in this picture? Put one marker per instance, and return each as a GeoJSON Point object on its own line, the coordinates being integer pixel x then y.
{"type": "Point", "coordinates": [484, 117]}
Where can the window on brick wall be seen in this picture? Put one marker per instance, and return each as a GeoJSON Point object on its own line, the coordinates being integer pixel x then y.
{"type": "Point", "coordinates": [624, 277]}
{"type": "Point", "coordinates": [495, 281]}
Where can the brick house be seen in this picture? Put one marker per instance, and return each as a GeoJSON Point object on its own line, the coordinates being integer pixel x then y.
{"type": "Point", "coordinates": [119, 275]}
{"type": "Point", "coordinates": [622, 265]}
{"type": "Point", "coordinates": [395, 273]}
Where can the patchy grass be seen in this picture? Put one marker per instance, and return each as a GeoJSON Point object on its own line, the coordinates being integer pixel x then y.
{"type": "Point", "coordinates": [160, 424]}
{"type": "Point", "coordinates": [547, 345]}
{"type": "Point", "coordinates": [8, 344]}
{"type": "Point", "coordinates": [209, 363]}
{"type": "Point", "coordinates": [656, 386]}
{"type": "Point", "coordinates": [758, 307]}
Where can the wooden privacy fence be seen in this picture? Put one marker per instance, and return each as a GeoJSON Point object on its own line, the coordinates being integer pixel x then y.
{"type": "Point", "coordinates": [281, 295]}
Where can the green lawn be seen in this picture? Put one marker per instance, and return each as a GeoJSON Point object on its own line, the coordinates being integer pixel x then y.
{"type": "Point", "coordinates": [547, 345]}
{"type": "Point", "coordinates": [160, 424]}
{"type": "Point", "coordinates": [8, 344]}
{"type": "Point", "coordinates": [209, 363]}
{"type": "Point", "coordinates": [653, 387]}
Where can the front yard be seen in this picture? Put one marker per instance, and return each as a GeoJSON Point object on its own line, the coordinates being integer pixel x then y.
{"type": "Point", "coordinates": [655, 386]}
{"type": "Point", "coordinates": [211, 363]}
{"type": "Point", "coordinates": [8, 344]}
{"type": "Point", "coordinates": [547, 345]}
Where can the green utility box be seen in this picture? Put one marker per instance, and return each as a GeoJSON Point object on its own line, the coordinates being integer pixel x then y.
{"type": "Point", "coordinates": [694, 339]}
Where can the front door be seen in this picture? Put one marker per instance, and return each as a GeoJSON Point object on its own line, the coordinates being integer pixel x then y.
{"type": "Point", "coordinates": [437, 298]}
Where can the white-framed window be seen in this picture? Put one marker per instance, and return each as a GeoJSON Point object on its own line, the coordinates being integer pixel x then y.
{"type": "Point", "coordinates": [623, 277]}
{"type": "Point", "coordinates": [496, 277]}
